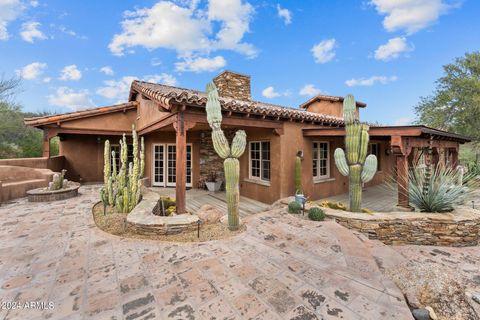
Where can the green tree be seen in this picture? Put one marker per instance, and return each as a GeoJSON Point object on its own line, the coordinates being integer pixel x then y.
{"type": "Point", "coordinates": [16, 139]}
{"type": "Point", "coordinates": [455, 102]}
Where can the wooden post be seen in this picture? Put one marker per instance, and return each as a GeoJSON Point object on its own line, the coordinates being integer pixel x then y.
{"type": "Point", "coordinates": [181, 163]}
{"type": "Point", "coordinates": [402, 181]}
{"type": "Point", "coordinates": [46, 144]}
{"type": "Point", "coordinates": [454, 155]}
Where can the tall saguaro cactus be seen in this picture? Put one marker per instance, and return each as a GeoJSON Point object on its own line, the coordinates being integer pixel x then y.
{"type": "Point", "coordinates": [354, 163]}
{"type": "Point", "coordinates": [229, 154]}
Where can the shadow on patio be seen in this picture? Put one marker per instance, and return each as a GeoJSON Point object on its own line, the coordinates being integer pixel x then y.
{"type": "Point", "coordinates": [380, 198]}
{"type": "Point", "coordinates": [196, 198]}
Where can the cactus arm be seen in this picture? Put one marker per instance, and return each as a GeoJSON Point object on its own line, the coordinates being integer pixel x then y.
{"type": "Point", "coordinates": [142, 158]}
{"type": "Point", "coordinates": [220, 143]}
{"type": "Point", "coordinates": [341, 162]}
{"type": "Point", "coordinates": [364, 138]}
{"type": "Point", "coordinates": [369, 168]}
{"type": "Point", "coordinates": [239, 143]}
{"type": "Point", "coordinates": [213, 108]}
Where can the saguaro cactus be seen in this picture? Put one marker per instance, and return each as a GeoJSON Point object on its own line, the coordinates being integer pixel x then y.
{"type": "Point", "coordinates": [354, 162]}
{"type": "Point", "coordinates": [229, 154]}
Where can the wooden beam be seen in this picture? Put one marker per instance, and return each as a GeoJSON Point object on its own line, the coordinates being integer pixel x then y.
{"type": "Point", "coordinates": [168, 120]}
{"type": "Point", "coordinates": [236, 121]}
{"type": "Point", "coordinates": [46, 144]}
{"type": "Point", "coordinates": [181, 163]}
{"type": "Point", "coordinates": [89, 131]}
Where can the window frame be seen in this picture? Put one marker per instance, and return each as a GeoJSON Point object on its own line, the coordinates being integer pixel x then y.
{"type": "Point", "coordinates": [319, 177]}
{"type": "Point", "coordinates": [166, 182]}
{"type": "Point", "coordinates": [261, 160]}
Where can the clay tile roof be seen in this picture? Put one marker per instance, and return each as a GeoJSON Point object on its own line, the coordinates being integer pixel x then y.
{"type": "Point", "coordinates": [38, 121]}
{"type": "Point", "coordinates": [167, 95]}
{"type": "Point", "coordinates": [322, 97]}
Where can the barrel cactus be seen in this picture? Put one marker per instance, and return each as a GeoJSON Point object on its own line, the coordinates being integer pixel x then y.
{"type": "Point", "coordinates": [354, 162]}
{"type": "Point", "coordinates": [230, 154]}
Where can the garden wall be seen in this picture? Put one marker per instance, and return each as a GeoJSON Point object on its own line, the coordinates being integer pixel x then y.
{"type": "Point", "coordinates": [55, 163]}
{"type": "Point", "coordinates": [461, 228]}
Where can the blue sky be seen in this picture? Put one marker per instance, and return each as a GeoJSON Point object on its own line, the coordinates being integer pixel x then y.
{"type": "Point", "coordinates": [388, 53]}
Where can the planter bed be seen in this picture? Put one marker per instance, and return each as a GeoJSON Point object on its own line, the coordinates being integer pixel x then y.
{"type": "Point", "coordinates": [459, 228]}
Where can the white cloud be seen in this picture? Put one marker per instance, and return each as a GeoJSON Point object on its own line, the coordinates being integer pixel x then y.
{"type": "Point", "coordinates": [324, 51]}
{"type": "Point", "coordinates": [119, 89]}
{"type": "Point", "coordinates": [10, 10]}
{"type": "Point", "coordinates": [72, 33]}
{"type": "Point", "coordinates": [107, 70]}
{"type": "Point", "coordinates": [46, 80]}
{"type": "Point", "coordinates": [70, 72]}
{"type": "Point", "coordinates": [269, 92]}
{"type": "Point", "coordinates": [285, 14]}
{"type": "Point", "coordinates": [66, 97]}
{"type": "Point", "coordinates": [309, 90]}
{"type": "Point", "coordinates": [403, 121]}
{"type": "Point", "coordinates": [155, 62]}
{"type": "Point", "coordinates": [392, 49]}
{"type": "Point", "coordinates": [30, 31]}
{"type": "Point", "coordinates": [411, 15]}
{"type": "Point", "coordinates": [201, 64]}
{"type": "Point", "coordinates": [31, 71]}
{"type": "Point", "coordinates": [370, 81]}
{"type": "Point", "coordinates": [187, 29]}
{"type": "Point", "coordinates": [34, 3]}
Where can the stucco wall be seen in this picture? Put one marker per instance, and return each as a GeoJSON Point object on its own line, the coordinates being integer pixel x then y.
{"type": "Point", "coordinates": [333, 108]}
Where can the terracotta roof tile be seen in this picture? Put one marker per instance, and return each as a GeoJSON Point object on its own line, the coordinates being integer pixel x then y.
{"type": "Point", "coordinates": [38, 121]}
{"type": "Point", "coordinates": [167, 95]}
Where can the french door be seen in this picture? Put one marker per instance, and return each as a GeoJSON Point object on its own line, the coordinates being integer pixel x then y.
{"type": "Point", "coordinates": [164, 165]}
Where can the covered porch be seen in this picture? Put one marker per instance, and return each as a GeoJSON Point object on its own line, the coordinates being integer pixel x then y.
{"type": "Point", "coordinates": [409, 145]}
{"type": "Point", "coordinates": [196, 198]}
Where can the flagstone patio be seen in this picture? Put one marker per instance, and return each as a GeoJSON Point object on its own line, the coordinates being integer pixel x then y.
{"type": "Point", "coordinates": [280, 268]}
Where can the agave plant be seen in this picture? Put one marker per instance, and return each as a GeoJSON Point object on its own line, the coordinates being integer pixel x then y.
{"type": "Point", "coordinates": [440, 190]}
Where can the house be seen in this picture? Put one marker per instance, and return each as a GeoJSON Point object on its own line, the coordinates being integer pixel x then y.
{"type": "Point", "coordinates": [179, 151]}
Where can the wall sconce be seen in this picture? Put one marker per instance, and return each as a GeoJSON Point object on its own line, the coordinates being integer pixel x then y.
{"type": "Point", "coordinates": [99, 140]}
{"type": "Point", "coordinates": [388, 151]}
{"type": "Point", "coordinates": [202, 134]}
{"type": "Point", "coordinates": [300, 154]}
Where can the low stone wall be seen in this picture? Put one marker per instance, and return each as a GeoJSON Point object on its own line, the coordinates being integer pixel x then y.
{"type": "Point", "coordinates": [42, 195]}
{"type": "Point", "coordinates": [143, 221]}
{"type": "Point", "coordinates": [459, 228]}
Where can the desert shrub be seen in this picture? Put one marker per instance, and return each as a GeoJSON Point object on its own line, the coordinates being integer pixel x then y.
{"type": "Point", "coordinates": [443, 191]}
{"type": "Point", "coordinates": [316, 214]}
{"type": "Point", "coordinates": [294, 207]}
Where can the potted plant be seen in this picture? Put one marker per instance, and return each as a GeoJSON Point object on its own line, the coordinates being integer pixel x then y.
{"type": "Point", "coordinates": [213, 183]}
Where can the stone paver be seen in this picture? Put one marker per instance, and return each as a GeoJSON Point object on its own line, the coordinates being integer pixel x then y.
{"type": "Point", "coordinates": [280, 268]}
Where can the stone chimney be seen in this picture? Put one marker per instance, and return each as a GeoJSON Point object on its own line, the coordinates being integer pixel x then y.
{"type": "Point", "coordinates": [233, 85]}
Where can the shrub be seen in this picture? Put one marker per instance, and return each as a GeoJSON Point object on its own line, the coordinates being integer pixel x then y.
{"type": "Point", "coordinates": [294, 207]}
{"type": "Point", "coordinates": [441, 192]}
{"type": "Point", "coordinates": [316, 214]}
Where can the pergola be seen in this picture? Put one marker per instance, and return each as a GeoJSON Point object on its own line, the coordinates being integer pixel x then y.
{"type": "Point", "coordinates": [403, 140]}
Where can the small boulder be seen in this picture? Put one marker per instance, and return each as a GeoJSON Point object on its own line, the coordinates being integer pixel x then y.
{"type": "Point", "coordinates": [432, 313]}
{"type": "Point", "coordinates": [412, 300]}
{"type": "Point", "coordinates": [209, 214]}
{"type": "Point", "coordinates": [224, 220]}
{"type": "Point", "coordinates": [476, 297]}
{"type": "Point", "coordinates": [421, 314]}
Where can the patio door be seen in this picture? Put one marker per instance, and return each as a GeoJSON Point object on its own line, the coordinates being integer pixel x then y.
{"type": "Point", "coordinates": [164, 165]}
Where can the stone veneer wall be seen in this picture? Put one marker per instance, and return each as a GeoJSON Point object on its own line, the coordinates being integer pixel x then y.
{"type": "Point", "coordinates": [209, 159]}
{"type": "Point", "coordinates": [233, 85]}
{"type": "Point", "coordinates": [458, 230]}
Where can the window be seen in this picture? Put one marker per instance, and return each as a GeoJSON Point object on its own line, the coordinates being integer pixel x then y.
{"type": "Point", "coordinates": [321, 160]}
{"type": "Point", "coordinates": [260, 160]}
{"type": "Point", "coordinates": [374, 149]}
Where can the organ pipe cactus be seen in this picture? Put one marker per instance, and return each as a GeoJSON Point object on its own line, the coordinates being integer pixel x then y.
{"type": "Point", "coordinates": [123, 188]}
{"type": "Point", "coordinates": [298, 174]}
{"type": "Point", "coordinates": [230, 154]}
{"type": "Point", "coordinates": [354, 162]}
